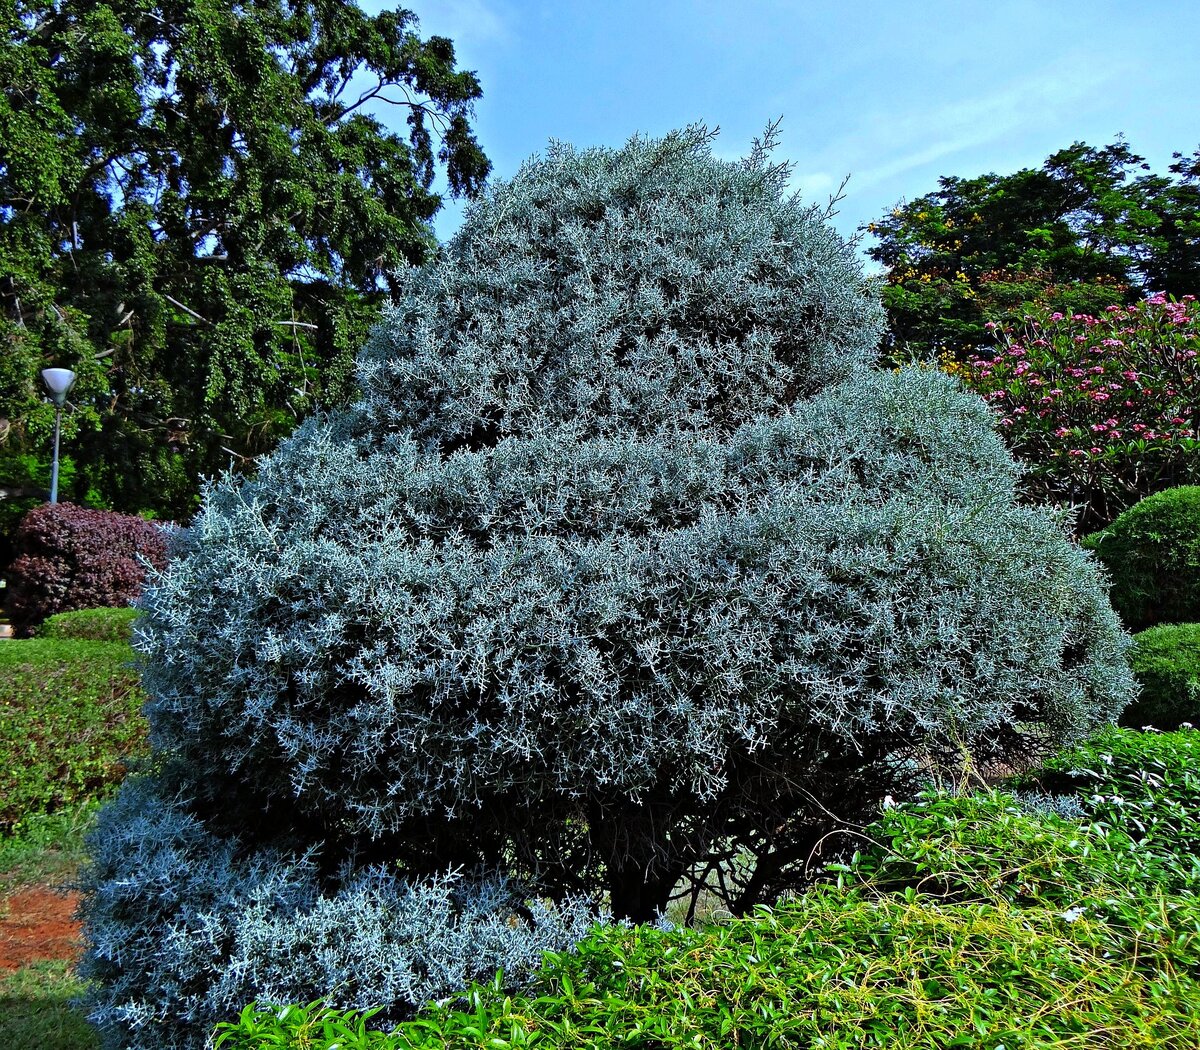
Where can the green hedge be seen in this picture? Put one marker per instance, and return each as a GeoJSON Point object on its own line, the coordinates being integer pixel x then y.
{"type": "Point", "coordinates": [834, 971]}
{"type": "Point", "coordinates": [980, 922]}
{"type": "Point", "coordinates": [90, 625]}
{"type": "Point", "coordinates": [70, 718]}
{"type": "Point", "coordinates": [1166, 662]}
{"type": "Point", "coordinates": [1152, 554]}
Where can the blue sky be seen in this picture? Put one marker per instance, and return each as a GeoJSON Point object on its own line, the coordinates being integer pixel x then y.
{"type": "Point", "coordinates": [892, 94]}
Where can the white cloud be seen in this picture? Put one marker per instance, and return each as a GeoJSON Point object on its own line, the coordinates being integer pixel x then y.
{"type": "Point", "coordinates": [884, 145]}
{"type": "Point", "coordinates": [471, 24]}
{"type": "Point", "coordinates": [814, 184]}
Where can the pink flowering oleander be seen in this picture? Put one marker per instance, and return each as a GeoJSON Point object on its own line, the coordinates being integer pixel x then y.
{"type": "Point", "coordinates": [1098, 404]}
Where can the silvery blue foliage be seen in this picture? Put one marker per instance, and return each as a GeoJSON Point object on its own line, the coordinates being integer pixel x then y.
{"type": "Point", "coordinates": [187, 927]}
{"type": "Point", "coordinates": [625, 564]}
{"type": "Point", "coordinates": [392, 633]}
{"type": "Point", "coordinates": [1040, 803]}
{"type": "Point", "coordinates": [644, 289]}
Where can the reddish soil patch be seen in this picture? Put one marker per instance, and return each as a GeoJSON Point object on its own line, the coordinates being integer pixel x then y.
{"type": "Point", "coordinates": [37, 924]}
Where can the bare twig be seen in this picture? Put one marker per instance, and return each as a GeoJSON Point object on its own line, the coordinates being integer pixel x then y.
{"type": "Point", "coordinates": [186, 309]}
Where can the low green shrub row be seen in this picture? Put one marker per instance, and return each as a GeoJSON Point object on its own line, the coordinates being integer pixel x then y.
{"type": "Point", "coordinates": [70, 720]}
{"type": "Point", "coordinates": [833, 970]}
{"type": "Point", "coordinates": [1152, 554]}
{"type": "Point", "coordinates": [1166, 662]}
{"type": "Point", "coordinates": [90, 625]}
{"type": "Point", "coordinates": [986, 921]}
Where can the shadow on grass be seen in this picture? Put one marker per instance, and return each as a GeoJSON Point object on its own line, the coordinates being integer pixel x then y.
{"type": "Point", "coordinates": [36, 1011]}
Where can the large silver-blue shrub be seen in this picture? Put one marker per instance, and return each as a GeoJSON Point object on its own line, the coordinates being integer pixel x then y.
{"type": "Point", "coordinates": [626, 569]}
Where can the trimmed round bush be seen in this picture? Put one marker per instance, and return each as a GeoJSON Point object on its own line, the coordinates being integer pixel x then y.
{"type": "Point", "coordinates": [90, 625]}
{"type": "Point", "coordinates": [1152, 554]}
{"type": "Point", "coordinates": [626, 573]}
{"type": "Point", "coordinates": [70, 558]}
{"type": "Point", "coordinates": [1166, 663]}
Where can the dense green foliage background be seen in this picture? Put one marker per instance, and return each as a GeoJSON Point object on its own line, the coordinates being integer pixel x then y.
{"type": "Point", "coordinates": [200, 216]}
{"type": "Point", "coordinates": [1091, 228]}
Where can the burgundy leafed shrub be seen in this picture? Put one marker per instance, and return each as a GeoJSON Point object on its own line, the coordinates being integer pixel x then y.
{"type": "Point", "coordinates": [69, 557]}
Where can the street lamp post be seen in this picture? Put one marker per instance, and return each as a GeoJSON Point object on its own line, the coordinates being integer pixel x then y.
{"type": "Point", "coordinates": [58, 381]}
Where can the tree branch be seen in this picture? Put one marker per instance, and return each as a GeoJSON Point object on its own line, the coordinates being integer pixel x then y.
{"type": "Point", "coordinates": [186, 309]}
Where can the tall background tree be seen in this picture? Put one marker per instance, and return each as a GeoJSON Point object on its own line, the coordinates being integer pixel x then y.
{"type": "Point", "coordinates": [1089, 229]}
{"type": "Point", "coordinates": [200, 215]}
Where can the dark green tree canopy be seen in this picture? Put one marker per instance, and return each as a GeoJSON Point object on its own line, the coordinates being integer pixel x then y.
{"type": "Point", "coordinates": [200, 215]}
{"type": "Point", "coordinates": [1090, 228]}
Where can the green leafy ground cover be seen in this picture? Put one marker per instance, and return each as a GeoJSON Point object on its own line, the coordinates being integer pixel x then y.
{"type": "Point", "coordinates": [46, 849]}
{"type": "Point", "coordinates": [986, 921]}
{"type": "Point", "coordinates": [69, 718]}
{"type": "Point", "coordinates": [69, 722]}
